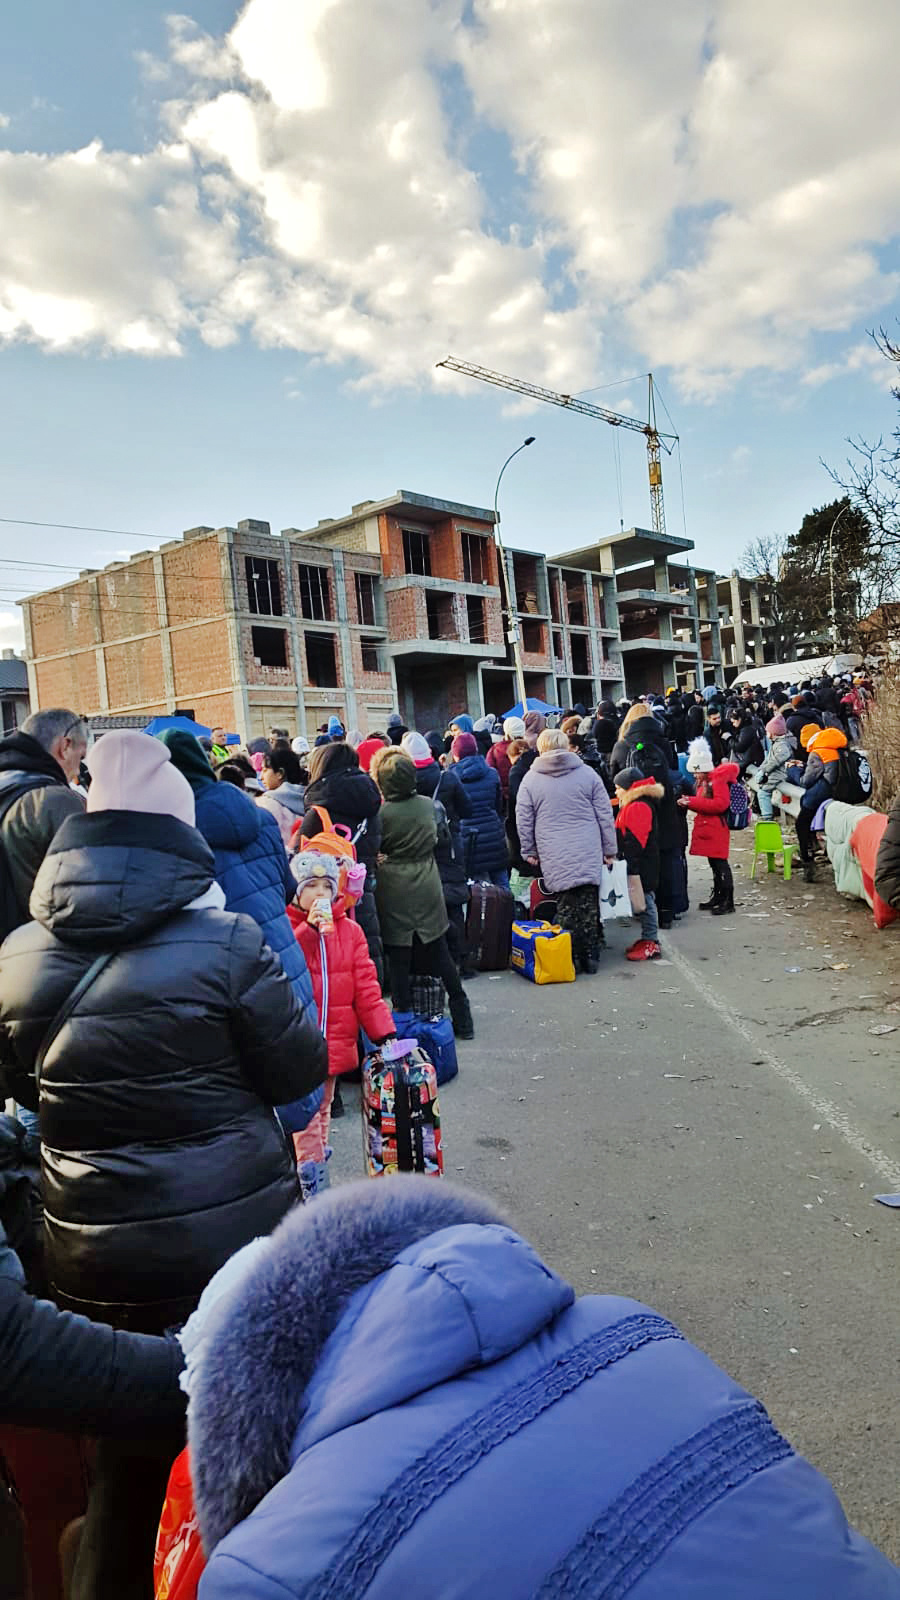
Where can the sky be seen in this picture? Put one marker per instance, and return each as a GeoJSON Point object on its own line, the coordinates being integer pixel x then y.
{"type": "Point", "coordinates": [237, 241]}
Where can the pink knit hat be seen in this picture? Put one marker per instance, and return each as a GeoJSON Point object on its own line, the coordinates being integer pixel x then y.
{"type": "Point", "coordinates": [132, 772]}
{"type": "Point", "coordinates": [776, 728]}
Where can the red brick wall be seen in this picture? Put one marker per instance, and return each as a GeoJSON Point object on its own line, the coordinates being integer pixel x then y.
{"type": "Point", "coordinates": [201, 660]}
{"type": "Point", "coordinates": [134, 673]}
{"type": "Point", "coordinates": [62, 620]}
{"type": "Point", "coordinates": [193, 579]}
{"type": "Point", "coordinates": [406, 614]}
{"type": "Point", "coordinates": [216, 710]}
{"type": "Point", "coordinates": [69, 681]}
{"type": "Point", "coordinates": [127, 600]}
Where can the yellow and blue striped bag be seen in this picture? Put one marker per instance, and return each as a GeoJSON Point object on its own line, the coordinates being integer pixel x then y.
{"type": "Point", "coordinates": [542, 952]}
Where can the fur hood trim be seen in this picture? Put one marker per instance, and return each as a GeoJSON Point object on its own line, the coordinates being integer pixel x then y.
{"type": "Point", "coordinates": [266, 1337]}
{"type": "Point", "coordinates": [648, 789]}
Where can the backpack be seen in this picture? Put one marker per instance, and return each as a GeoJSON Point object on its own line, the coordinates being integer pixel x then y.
{"type": "Point", "coordinates": [738, 814]}
{"type": "Point", "coordinates": [335, 839]}
{"type": "Point", "coordinates": [653, 763]}
{"type": "Point", "coordinates": [853, 782]}
{"type": "Point", "coordinates": [442, 822]}
{"type": "Point", "coordinates": [12, 786]}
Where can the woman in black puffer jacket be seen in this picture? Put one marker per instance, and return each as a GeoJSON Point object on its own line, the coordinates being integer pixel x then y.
{"type": "Point", "coordinates": [746, 745]}
{"type": "Point", "coordinates": [161, 1152]}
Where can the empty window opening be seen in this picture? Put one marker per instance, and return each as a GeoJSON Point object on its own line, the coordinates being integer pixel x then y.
{"type": "Point", "coordinates": [558, 646]}
{"type": "Point", "coordinates": [526, 584]}
{"type": "Point", "coordinates": [532, 637]}
{"type": "Point", "coordinates": [321, 660]}
{"type": "Point", "coordinates": [366, 604]}
{"type": "Point", "coordinates": [269, 647]}
{"type": "Point", "coordinates": [554, 599]}
{"type": "Point", "coordinates": [475, 615]}
{"type": "Point", "coordinates": [583, 690]}
{"type": "Point", "coordinates": [581, 660]}
{"type": "Point", "coordinates": [439, 611]}
{"type": "Point", "coordinates": [263, 586]}
{"type": "Point", "coordinates": [315, 594]}
{"type": "Point", "coordinates": [475, 558]}
{"type": "Point", "coordinates": [372, 652]}
{"type": "Point", "coordinates": [416, 553]}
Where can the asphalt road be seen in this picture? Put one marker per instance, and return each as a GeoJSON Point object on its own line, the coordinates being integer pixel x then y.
{"type": "Point", "coordinates": [707, 1133]}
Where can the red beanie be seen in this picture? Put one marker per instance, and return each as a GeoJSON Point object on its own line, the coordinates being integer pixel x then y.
{"type": "Point", "coordinates": [465, 744]}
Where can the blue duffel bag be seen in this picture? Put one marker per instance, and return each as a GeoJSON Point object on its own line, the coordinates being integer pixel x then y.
{"type": "Point", "coordinates": [434, 1036]}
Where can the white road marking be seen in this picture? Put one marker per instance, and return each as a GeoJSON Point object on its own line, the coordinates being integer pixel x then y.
{"type": "Point", "coordinates": [837, 1119]}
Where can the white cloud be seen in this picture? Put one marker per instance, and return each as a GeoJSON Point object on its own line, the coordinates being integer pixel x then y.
{"type": "Point", "coordinates": [719, 181]}
{"type": "Point", "coordinates": [12, 631]}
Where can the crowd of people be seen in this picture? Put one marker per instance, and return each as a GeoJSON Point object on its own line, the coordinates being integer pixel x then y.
{"type": "Point", "coordinates": [201, 939]}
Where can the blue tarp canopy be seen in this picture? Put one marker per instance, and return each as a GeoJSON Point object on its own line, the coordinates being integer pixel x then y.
{"type": "Point", "coordinates": [185, 725]}
{"type": "Point", "coordinates": [531, 704]}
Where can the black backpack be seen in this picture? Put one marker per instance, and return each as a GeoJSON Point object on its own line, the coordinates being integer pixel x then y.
{"type": "Point", "coordinates": [12, 785]}
{"type": "Point", "coordinates": [853, 781]}
{"type": "Point", "coordinates": [651, 759]}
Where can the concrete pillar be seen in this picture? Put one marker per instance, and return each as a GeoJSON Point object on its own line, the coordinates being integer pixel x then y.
{"type": "Point", "coordinates": [350, 707]}
{"type": "Point", "coordinates": [661, 574]}
{"type": "Point", "coordinates": [165, 638]}
{"type": "Point", "coordinates": [737, 617]}
{"type": "Point", "coordinates": [290, 601]}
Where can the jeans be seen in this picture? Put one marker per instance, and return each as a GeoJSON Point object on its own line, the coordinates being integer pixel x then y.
{"type": "Point", "coordinates": [500, 879]}
{"type": "Point", "coordinates": [31, 1122]}
{"type": "Point", "coordinates": [766, 809]}
{"type": "Point", "coordinates": [649, 919]}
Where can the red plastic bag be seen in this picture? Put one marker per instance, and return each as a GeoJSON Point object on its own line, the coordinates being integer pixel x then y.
{"type": "Point", "coordinates": [179, 1560]}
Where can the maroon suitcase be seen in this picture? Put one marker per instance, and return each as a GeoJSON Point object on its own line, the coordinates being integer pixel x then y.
{"type": "Point", "coordinates": [489, 927]}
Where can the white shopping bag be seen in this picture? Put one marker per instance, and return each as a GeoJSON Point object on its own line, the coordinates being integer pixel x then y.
{"type": "Point", "coordinates": [615, 902]}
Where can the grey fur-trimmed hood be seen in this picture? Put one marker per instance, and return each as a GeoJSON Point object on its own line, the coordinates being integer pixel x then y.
{"type": "Point", "coordinates": [266, 1337]}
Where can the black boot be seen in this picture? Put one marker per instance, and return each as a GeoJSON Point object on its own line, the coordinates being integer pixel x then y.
{"type": "Point", "coordinates": [711, 903]}
{"type": "Point", "coordinates": [338, 1108]}
{"type": "Point", "coordinates": [809, 871]}
{"type": "Point", "coordinates": [724, 906]}
{"type": "Point", "coordinates": [461, 1017]}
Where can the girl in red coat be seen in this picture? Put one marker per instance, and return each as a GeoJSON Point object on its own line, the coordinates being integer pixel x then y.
{"type": "Point", "coordinates": [347, 994]}
{"type": "Point", "coordinates": [711, 836]}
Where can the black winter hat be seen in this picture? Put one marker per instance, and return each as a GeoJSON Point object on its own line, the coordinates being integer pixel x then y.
{"type": "Point", "coordinates": [628, 777]}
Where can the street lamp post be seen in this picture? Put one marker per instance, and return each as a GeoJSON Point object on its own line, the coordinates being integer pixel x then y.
{"type": "Point", "coordinates": [833, 609]}
{"type": "Point", "coordinates": [512, 619]}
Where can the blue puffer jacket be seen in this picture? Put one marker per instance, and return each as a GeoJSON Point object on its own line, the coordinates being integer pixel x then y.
{"type": "Point", "coordinates": [485, 827]}
{"type": "Point", "coordinates": [252, 868]}
{"type": "Point", "coordinates": [380, 1411]}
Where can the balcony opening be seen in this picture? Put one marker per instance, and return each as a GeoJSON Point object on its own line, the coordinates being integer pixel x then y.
{"type": "Point", "coordinates": [372, 652]}
{"type": "Point", "coordinates": [263, 587]}
{"type": "Point", "coordinates": [315, 594]}
{"type": "Point", "coordinates": [269, 647]}
{"type": "Point", "coordinates": [321, 660]}
{"type": "Point", "coordinates": [439, 611]}
{"type": "Point", "coordinates": [366, 599]}
{"type": "Point", "coordinates": [476, 621]}
{"type": "Point", "coordinates": [525, 579]}
{"type": "Point", "coordinates": [532, 637]}
{"type": "Point", "coordinates": [416, 553]}
{"type": "Point", "coordinates": [475, 559]}
{"type": "Point", "coordinates": [581, 658]}
{"type": "Point", "coordinates": [582, 691]}
{"type": "Point", "coordinates": [554, 598]}
{"type": "Point", "coordinates": [599, 606]}
{"type": "Point", "coordinates": [557, 647]}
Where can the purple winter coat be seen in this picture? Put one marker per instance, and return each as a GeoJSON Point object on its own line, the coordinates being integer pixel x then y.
{"type": "Point", "coordinates": [564, 817]}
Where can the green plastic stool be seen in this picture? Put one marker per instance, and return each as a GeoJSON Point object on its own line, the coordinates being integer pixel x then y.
{"type": "Point", "coordinates": [768, 839]}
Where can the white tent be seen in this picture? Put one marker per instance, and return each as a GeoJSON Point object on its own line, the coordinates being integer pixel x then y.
{"type": "Point", "coordinates": [788, 672]}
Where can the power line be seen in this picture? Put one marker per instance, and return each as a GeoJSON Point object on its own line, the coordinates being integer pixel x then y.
{"type": "Point", "coordinates": [80, 527]}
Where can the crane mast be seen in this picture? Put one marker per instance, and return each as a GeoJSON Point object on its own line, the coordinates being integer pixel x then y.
{"type": "Point", "coordinates": [616, 419]}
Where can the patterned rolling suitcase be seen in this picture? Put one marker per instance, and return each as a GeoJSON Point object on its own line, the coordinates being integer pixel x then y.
{"type": "Point", "coordinates": [401, 1115]}
{"type": "Point", "coordinates": [489, 927]}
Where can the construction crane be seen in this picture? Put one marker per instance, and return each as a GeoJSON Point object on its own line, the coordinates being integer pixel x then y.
{"type": "Point", "coordinates": [616, 419]}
